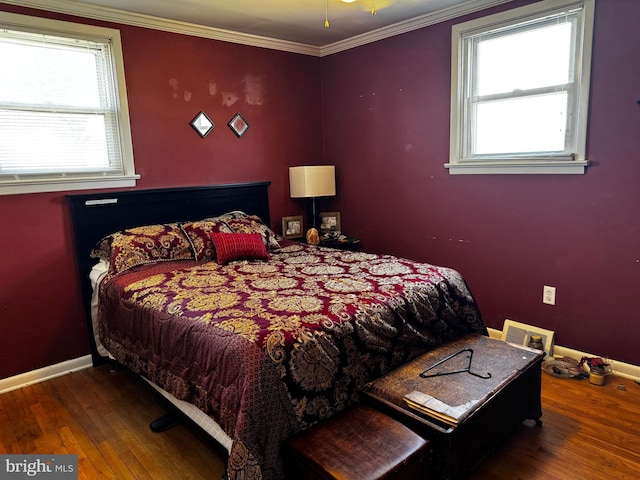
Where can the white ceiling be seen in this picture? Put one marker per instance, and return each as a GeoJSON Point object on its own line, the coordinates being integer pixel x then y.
{"type": "Point", "coordinates": [298, 22]}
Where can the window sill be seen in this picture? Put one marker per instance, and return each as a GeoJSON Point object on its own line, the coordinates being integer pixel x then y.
{"type": "Point", "coordinates": [518, 168]}
{"type": "Point", "coordinates": [66, 185]}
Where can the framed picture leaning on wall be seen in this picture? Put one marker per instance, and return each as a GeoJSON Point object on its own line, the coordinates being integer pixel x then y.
{"type": "Point", "coordinates": [330, 222]}
{"type": "Point", "coordinates": [292, 227]}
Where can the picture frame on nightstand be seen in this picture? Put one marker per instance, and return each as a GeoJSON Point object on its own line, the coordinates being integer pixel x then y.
{"type": "Point", "coordinates": [330, 222]}
{"type": "Point", "coordinates": [292, 227]}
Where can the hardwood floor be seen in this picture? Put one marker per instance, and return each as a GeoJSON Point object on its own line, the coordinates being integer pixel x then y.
{"type": "Point", "coordinates": [104, 417]}
{"type": "Point", "coordinates": [589, 432]}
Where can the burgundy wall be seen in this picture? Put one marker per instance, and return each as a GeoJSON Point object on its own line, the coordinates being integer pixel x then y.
{"type": "Point", "coordinates": [41, 316]}
{"type": "Point", "coordinates": [384, 109]}
{"type": "Point", "coordinates": [386, 121]}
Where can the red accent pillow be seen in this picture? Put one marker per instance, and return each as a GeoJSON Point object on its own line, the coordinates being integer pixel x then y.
{"type": "Point", "coordinates": [239, 246]}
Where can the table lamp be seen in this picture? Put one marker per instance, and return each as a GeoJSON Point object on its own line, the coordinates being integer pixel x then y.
{"type": "Point", "coordinates": [312, 182]}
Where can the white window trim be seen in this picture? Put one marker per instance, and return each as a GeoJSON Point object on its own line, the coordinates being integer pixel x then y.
{"type": "Point", "coordinates": [101, 34]}
{"type": "Point", "coordinates": [458, 166]}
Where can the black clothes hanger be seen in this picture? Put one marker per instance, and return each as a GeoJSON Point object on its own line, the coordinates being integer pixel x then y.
{"type": "Point", "coordinates": [462, 370]}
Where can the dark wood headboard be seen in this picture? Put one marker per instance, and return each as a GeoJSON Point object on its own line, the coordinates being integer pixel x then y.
{"type": "Point", "coordinates": [97, 215]}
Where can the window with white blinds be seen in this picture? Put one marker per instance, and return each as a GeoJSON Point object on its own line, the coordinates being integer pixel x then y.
{"type": "Point", "coordinates": [64, 123]}
{"type": "Point", "coordinates": [520, 90]}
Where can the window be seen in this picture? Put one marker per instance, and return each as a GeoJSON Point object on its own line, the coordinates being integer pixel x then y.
{"type": "Point", "coordinates": [64, 121]}
{"type": "Point", "coordinates": [520, 90]}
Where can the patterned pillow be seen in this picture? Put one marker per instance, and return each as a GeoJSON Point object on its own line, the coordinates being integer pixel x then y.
{"type": "Point", "coordinates": [253, 224]}
{"type": "Point", "coordinates": [239, 246]}
{"type": "Point", "coordinates": [199, 237]}
{"type": "Point", "coordinates": [226, 216]}
{"type": "Point", "coordinates": [140, 245]}
{"type": "Point", "coordinates": [102, 249]}
{"type": "Point", "coordinates": [233, 214]}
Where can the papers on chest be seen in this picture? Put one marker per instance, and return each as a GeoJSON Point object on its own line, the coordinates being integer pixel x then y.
{"type": "Point", "coordinates": [428, 405]}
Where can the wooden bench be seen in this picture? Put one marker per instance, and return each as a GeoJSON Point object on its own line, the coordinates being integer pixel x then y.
{"type": "Point", "coordinates": [483, 410]}
{"type": "Point", "coordinates": [358, 444]}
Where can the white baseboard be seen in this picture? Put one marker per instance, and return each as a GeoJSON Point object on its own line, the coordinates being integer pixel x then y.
{"type": "Point", "coordinates": [46, 373]}
{"type": "Point", "coordinates": [621, 369]}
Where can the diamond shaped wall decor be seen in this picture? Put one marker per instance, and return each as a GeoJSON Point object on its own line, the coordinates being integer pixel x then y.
{"type": "Point", "coordinates": [202, 124]}
{"type": "Point", "coordinates": [238, 125]}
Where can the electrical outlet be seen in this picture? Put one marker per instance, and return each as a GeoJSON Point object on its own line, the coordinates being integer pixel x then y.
{"type": "Point", "coordinates": [549, 295]}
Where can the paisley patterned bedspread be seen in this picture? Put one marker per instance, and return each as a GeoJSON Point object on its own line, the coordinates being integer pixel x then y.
{"type": "Point", "coordinates": [268, 348]}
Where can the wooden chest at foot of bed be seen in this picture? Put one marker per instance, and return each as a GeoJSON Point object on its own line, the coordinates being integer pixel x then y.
{"type": "Point", "coordinates": [360, 443]}
{"type": "Point", "coordinates": [465, 397]}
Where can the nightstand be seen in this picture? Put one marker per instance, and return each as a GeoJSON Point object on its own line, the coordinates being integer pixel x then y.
{"type": "Point", "coordinates": [348, 243]}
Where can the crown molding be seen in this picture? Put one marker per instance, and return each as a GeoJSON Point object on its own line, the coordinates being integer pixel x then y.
{"type": "Point", "coordinates": [410, 25]}
{"type": "Point", "coordinates": [96, 12]}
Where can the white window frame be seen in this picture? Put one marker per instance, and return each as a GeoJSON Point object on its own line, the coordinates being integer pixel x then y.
{"type": "Point", "coordinates": [460, 120]}
{"type": "Point", "coordinates": [59, 182]}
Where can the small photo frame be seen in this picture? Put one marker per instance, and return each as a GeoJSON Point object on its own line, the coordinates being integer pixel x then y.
{"type": "Point", "coordinates": [330, 222]}
{"type": "Point", "coordinates": [292, 227]}
{"type": "Point", "coordinates": [202, 124]}
{"type": "Point", "coordinates": [238, 125]}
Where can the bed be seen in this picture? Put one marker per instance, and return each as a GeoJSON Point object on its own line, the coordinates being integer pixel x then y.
{"type": "Point", "coordinates": [257, 336]}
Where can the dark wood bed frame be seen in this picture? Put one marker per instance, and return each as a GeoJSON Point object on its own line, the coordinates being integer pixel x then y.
{"type": "Point", "coordinates": [97, 215]}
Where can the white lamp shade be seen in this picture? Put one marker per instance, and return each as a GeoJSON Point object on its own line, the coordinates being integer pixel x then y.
{"type": "Point", "coordinates": [312, 181]}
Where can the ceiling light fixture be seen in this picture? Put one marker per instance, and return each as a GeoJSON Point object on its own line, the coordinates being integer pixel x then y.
{"type": "Point", "coordinates": [326, 9]}
{"type": "Point", "coordinates": [326, 13]}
